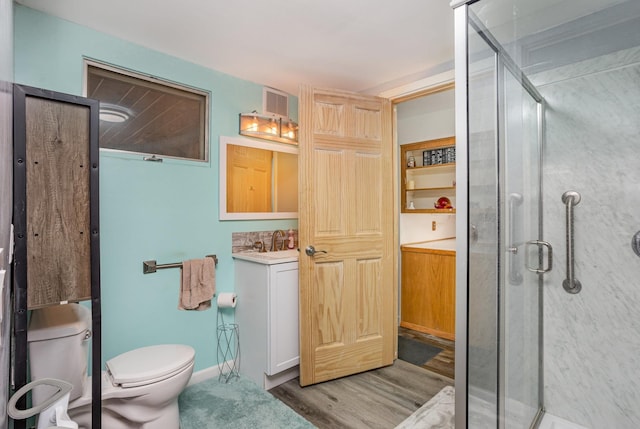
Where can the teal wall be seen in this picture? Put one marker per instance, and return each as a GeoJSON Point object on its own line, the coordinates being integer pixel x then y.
{"type": "Point", "coordinates": [165, 211]}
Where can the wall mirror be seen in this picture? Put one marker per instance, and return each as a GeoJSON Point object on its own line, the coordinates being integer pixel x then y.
{"type": "Point", "coordinates": [258, 180]}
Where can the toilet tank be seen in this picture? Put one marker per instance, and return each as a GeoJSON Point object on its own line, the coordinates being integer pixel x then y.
{"type": "Point", "coordinates": [58, 339]}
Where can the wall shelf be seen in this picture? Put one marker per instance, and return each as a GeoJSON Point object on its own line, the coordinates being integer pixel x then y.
{"type": "Point", "coordinates": [425, 184]}
{"type": "Point", "coordinates": [449, 211]}
{"type": "Point", "coordinates": [450, 165]}
{"type": "Point", "coordinates": [444, 188]}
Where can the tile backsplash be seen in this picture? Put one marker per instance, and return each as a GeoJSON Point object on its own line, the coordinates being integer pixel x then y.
{"type": "Point", "coordinates": [246, 240]}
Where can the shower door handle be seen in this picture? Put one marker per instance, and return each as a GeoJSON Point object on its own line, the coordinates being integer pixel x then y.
{"type": "Point", "coordinates": [539, 244]}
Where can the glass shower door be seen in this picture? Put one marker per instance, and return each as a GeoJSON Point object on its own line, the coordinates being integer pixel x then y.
{"type": "Point", "coordinates": [521, 297]}
{"type": "Point", "coordinates": [483, 262]}
{"type": "Point", "coordinates": [504, 298]}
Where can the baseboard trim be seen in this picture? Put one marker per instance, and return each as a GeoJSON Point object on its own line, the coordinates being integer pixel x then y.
{"type": "Point", "coordinates": [207, 373]}
{"type": "Point", "coordinates": [271, 381]}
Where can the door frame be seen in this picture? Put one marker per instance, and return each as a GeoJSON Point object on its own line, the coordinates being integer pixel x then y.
{"type": "Point", "coordinates": [421, 88]}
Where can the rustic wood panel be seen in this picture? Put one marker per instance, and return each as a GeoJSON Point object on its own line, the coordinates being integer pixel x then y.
{"type": "Point", "coordinates": [428, 292]}
{"type": "Point", "coordinates": [377, 399]}
{"type": "Point", "coordinates": [58, 206]}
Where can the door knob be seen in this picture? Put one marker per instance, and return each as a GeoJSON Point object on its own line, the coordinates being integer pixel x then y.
{"type": "Point", "coordinates": [311, 251]}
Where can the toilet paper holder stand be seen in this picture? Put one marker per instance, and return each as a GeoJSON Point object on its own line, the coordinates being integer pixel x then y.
{"type": "Point", "coordinates": [228, 350]}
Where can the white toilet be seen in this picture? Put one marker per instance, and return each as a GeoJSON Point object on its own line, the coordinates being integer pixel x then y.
{"type": "Point", "coordinates": [140, 388]}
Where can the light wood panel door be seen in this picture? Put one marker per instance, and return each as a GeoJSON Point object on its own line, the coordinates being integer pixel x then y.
{"type": "Point", "coordinates": [348, 295]}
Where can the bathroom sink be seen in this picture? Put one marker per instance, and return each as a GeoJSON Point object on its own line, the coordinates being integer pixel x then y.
{"type": "Point", "coordinates": [277, 257]}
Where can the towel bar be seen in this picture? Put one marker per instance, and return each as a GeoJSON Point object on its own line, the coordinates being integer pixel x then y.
{"type": "Point", "coordinates": [149, 267]}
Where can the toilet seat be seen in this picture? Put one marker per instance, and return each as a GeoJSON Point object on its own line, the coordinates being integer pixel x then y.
{"type": "Point", "coordinates": [148, 365]}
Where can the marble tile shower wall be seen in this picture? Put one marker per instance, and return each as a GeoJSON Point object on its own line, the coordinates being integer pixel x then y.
{"type": "Point", "coordinates": [246, 240]}
{"type": "Point", "coordinates": [592, 339]}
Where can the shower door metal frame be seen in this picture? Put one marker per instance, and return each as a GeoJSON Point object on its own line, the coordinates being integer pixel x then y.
{"type": "Point", "coordinates": [462, 212]}
{"type": "Point", "coordinates": [464, 18]}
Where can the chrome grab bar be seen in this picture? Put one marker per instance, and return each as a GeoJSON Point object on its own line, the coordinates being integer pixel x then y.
{"type": "Point", "coordinates": [570, 284]}
{"type": "Point", "coordinates": [515, 276]}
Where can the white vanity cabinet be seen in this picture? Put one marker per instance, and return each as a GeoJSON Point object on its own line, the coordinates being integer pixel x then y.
{"type": "Point", "coordinates": [267, 318]}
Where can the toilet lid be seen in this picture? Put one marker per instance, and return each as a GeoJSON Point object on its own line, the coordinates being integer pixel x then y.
{"type": "Point", "coordinates": [149, 364]}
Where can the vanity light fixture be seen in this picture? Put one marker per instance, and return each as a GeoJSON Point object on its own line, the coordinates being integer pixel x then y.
{"type": "Point", "coordinates": [268, 127]}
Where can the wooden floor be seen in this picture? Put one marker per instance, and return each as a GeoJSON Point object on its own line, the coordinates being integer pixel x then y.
{"type": "Point", "coordinates": [377, 399]}
{"type": "Point", "coordinates": [443, 362]}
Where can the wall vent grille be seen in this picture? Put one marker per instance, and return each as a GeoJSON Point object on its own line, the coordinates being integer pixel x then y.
{"type": "Point", "coordinates": [275, 102]}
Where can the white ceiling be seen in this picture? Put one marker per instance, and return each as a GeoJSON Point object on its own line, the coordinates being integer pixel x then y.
{"type": "Point", "coordinates": [356, 45]}
{"type": "Point", "coordinates": [364, 46]}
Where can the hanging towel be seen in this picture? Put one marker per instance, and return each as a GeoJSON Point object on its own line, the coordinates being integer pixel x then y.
{"type": "Point", "coordinates": [197, 284]}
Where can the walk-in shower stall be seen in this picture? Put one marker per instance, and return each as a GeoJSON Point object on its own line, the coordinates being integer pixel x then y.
{"type": "Point", "coordinates": [548, 217]}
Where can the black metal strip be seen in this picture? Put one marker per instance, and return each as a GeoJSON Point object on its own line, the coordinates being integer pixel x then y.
{"type": "Point", "coordinates": [20, 249]}
{"type": "Point", "coordinates": [96, 308]}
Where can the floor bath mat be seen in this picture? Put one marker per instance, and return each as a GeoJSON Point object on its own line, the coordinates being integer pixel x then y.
{"type": "Point", "coordinates": [239, 404]}
{"type": "Point", "coordinates": [416, 352]}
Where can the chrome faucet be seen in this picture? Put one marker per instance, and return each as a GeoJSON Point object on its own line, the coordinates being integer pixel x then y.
{"type": "Point", "coordinates": [274, 240]}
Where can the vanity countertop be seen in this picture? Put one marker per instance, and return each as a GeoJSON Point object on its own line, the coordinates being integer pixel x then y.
{"type": "Point", "coordinates": [268, 258]}
{"type": "Point", "coordinates": [446, 245]}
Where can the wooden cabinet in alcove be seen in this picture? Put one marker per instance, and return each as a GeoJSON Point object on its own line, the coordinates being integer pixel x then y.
{"type": "Point", "coordinates": [428, 288]}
